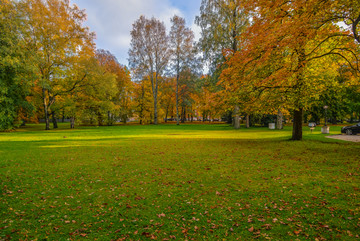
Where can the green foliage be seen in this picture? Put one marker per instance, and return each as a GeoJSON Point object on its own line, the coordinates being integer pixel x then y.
{"type": "Point", "coordinates": [13, 89]}
{"type": "Point", "coordinates": [183, 182]}
{"type": "Point", "coordinates": [56, 39]}
{"type": "Point", "coordinates": [221, 23]}
{"type": "Point", "coordinates": [339, 95]}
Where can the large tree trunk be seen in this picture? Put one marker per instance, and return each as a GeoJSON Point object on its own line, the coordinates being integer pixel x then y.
{"type": "Point", "coordinates": [298, 112]}
{"type": "Point", "coordinates": [72, 122]}
{"type": "Point", "coordinates": [183, 115]}
{"type": "Point", "coordinates": [297, 125]}
{"type": "Point", "coordinates": [154, 87]}
{"type": "Point", "coordinates": [46, 111]}
{"type": "Point", "coordinates": [141, 114]}
{"type": "Point", "coordinates": [247, 121]}
{"type": "Point", "coordinates": [236, 117]}
{"type": "Point", "coordinates": [155, 110]}
{"type": "Point", "coordinates": [100, 120]}
{"type": "Point", "coordinates": [109, 118]}
{"type": "Point", "coordinates": [63, 116]}
{"type": "Point", "coordinates": [155, 100]}
{"type": "Point", "coordinates": [166, 113]}
{"type": "Point", "coordinates": [177, 97]}
{"type": "Point", "coordinates": [279, 120]}
{"type": "Point", "coordinates": [54, 121]}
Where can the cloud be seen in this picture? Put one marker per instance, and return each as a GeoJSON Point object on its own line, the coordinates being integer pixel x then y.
{"type": "Point", "coordinates": [112, 20]}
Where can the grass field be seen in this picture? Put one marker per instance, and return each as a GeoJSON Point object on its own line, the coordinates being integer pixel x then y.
{"type": "Point", "coordinates": [201, 182]}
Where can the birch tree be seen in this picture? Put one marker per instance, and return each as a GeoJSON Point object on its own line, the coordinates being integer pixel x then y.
{"type": "Point", "coordinates": [221, 23]}
{"type": "Point", "coordinates": [149, 53]}
{"type": "Point", "coordinates": [182, 50]}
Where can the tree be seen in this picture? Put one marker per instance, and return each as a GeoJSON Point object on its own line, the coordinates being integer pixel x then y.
{"type": "Point", "coordinates": [149, 53]}
{"type": "Point", "coordinates": [341, 97]}
{"type": "Point", "coordinates": [345, 11]}
{"type": "Point", "coordinates": [183, 51]}
{"type": "Point", "coordinates": [143, 100]}
{"type": "Point", "coordinates": [55, 36]}
{"type": "Point", "coordinates": [286, 52]}
{"type": "Point", "coordinates": [206, 102]}
{"type": "Point", "coordinates": [92, 101]}
{"type": "Point", "coordinates": [221, 22]}
{"type": "Point", "coordinates": [122, 97]}
{"type": "Point", "coordinates": [13, 67]}
{"type": "Point", "coordinates": [168, 97]}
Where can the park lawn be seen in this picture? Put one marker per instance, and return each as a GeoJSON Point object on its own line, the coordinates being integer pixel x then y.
{"type": "Point", "coordinates": [202, 182]}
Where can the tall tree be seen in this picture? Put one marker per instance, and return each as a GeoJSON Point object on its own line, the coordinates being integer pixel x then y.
{"type": "Point", "coordinates": [123, 85]}
{"type": "Point", "coordinates": [187, 87]}
{"type": "Point", "coordinates": [183, 51]}
{"type": "Point", "coordinates": [56, 37]}
{"type": "Point", "coordinates": [149, 53]}
{"type": "Point", "coordinates": [92, 100]}
{"type": "Point", "coordinates": [168, 97]}
{"type": "Point", "coordinates": [13, 85]}
{"type": "Point", "coordinates": [143, 101]}
{"type": "Point", "coordinates": [221, 23]}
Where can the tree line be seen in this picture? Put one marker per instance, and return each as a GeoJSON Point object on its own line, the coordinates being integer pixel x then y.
{"type": "Point", "coordinates": [283, 57]}
{"type": "Point", "coordinates": [277, 58]}
{"type": "Point", "coordinates": [51, 69]}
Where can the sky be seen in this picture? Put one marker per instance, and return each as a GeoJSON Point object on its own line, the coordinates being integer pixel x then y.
{"type": "Point", "coordinates": [112, 20]}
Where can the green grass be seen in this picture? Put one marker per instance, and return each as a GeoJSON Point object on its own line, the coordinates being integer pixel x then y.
{"type": "Point", "coordinates": [202, 182]}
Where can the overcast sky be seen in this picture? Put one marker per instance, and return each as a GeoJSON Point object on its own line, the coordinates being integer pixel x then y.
{"type": "Point", "coordinates": [112, 19]}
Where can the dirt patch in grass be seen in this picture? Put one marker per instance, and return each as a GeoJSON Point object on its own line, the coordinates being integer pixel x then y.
{"type": "Point", "coordinates": [354, 138]}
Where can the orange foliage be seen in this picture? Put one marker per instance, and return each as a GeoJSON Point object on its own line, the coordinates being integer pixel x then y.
{"type": "Point", "coordinates": [278, 65]}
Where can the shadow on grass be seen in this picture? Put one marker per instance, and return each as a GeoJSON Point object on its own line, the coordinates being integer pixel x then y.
{"type": "Point", "coordinates": [113, 135]}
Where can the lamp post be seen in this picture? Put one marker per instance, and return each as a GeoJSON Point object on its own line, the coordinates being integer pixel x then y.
{"type": "Point", "coordinates": [325, 108]}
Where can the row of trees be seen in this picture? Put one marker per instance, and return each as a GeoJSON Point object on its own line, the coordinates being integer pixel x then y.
{"type": "Point", "coordinates": [50, 68]}
{"type": "Point", "coordinates": [283, 56]}
{"type": "Point", "coordinates": [153, 52]}
{"type": "Point", "coordinates": [265, 57]}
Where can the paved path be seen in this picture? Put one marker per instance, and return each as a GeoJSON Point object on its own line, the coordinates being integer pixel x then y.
{"type": "Point", "coordinates": [346, 138]}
